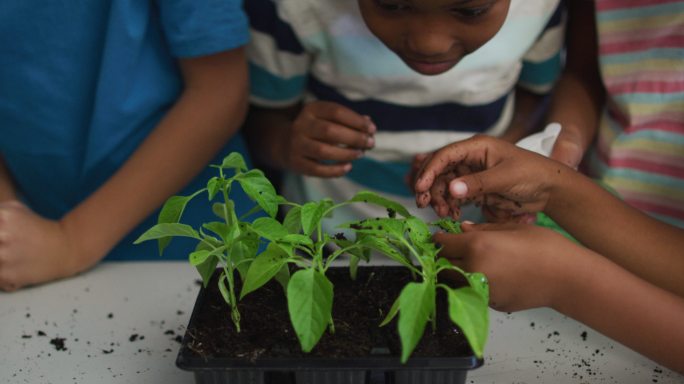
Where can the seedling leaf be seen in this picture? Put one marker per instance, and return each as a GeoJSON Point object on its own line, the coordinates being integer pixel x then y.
{"type": "Point", "coordinates": [219, 228]}
{"type": "Point", "coordinates": [220, 210]}
{"type": "Point", "coordinates": [392, 313]}
{"type": "Point", "coordinates": [234, 161]}
{"type": "Point", "coordinates": [297, 239]}
{"type": "Point", "coordinates": [386, 249]}
{"type": "Point", "coordinates": [206, 269]}
{"type": "Point", "coordinates": [293, 220]}
{"type": "Point", "coordinates": [469, 311]}
{"type": "Point", "coordinates": [264, 268]}
{"type": "Point", "coordinates": [199, 257]}
{"type": "Point", "coordinates": [309, 301]}
{"type": "Point", "coordinates": [171, 212]}
{"type": "Point", "coordinates": [448, 225]}
{"type": "Point", "coordinates": [374, 198]}
{"type": "Point", "coordinates": [259, 189]}
{"type": "Point", "coordinates": [416, 304]}
{"type": "Point", "coordinates": [418, 231]}
{"type": "Point", "coordinates": [479, 283]}
{"type": "Point", "coordinates": [167, 230]}
{"type": "Point", "coordinates": [312, 213]}
{"type": "Point", "coordinates": [213, 186]}
{"type": "Point", "coordinates": [268, 228]}
{"type": "Point", "coordinates": [283, 277]}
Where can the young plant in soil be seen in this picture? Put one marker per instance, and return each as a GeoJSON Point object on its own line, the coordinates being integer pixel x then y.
{"type": "Point", "coordinates": [300, 241]}
{"type": "Point", "coordinates": [229, 242]}
{"type": "Point", "coordinates": [409, 241]}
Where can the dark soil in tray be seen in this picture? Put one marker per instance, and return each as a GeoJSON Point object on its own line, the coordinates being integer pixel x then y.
{"type": "Point", "coordinates": [359, 306]}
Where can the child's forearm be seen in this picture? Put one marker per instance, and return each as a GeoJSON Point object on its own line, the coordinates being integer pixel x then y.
{"type": "Point", "coordinates": [621, 306]}
{"type": "Point", "coordinates": [7, 188]}
{"type": "Point", "coordinates": [576, 105]}
{"type": "Point", "coordinates": [647, 247]}
{"type": "Point", "coordinates": [209, 111]}
{"type": "Point", "coordinates": [526, 116]}
{"type": "Point", "coordinates": [578, 97]}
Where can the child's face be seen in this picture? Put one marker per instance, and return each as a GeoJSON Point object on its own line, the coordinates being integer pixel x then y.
{"type": "Point", "coordinates": [431, 36]}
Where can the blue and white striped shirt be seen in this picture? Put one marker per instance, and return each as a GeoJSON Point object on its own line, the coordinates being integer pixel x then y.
{"type": "Point", "coordinates": [303, 50]}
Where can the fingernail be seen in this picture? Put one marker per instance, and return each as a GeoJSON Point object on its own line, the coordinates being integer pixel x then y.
{"type": "Point", "coordinates": [459, 188]}
{"type": "Point", "coordinates": [372, 128]}
{"type": "Point", "coordinates": [347, 167]}
{"type": "Point", "coordinates": [370, 142]}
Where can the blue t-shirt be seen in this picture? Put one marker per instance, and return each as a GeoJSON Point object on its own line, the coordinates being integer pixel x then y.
{"type": "Point", "coordinates": [82, 84]}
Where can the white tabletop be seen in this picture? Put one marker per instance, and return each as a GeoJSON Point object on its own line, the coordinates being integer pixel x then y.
{"type": "Point", "coordinates": [119, 322]}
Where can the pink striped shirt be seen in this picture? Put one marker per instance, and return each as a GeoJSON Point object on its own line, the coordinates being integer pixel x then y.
{"type": "Point", "coordinates": [640, 145]}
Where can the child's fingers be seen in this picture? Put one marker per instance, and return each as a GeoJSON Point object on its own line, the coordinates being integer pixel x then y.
{"type": "Point", "coordinates": [440, 193]}
{"type": "Point", "coordinates": [490, 181]}
{"type": "Point", "coordinates": [317, 150]}
{"type": "Point", "coordinates": [454, 246]}
{"type": "Point", "coordinates": [440, 206]}
{"type": "Point", "coordinates": [423, 199]}
{"type": "Point", "coordinates": [471, 227]}
{"type": "Point", "coordinates": [340, 134]}
{"type": "Point", "coordinates": [567, 150]}
{"type": "Point", "coordinates": [493, 215]}
{"type": "Point", "coordinates": [341, 115]}
{"type": "Point", "coordinates": [515, 209]}
{"type": "Point", "coordinates": [439, 162]}
{"type": "Point", "coordinates": [314, 168]}
{"type": "Point", "coordinates": [454, 208]}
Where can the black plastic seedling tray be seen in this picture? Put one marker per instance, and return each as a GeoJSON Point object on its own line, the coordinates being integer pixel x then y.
{"type": "Point", "coordinates": [379, 367]}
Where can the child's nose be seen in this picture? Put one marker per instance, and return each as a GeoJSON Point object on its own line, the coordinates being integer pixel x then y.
{"type": "Point", "coordinates": [430, 43]}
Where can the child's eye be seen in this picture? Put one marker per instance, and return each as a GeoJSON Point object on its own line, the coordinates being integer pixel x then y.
{"type": "Point", "coordinates": [470, 13]}
{"type": "Point", "coordinates": [392, 6]}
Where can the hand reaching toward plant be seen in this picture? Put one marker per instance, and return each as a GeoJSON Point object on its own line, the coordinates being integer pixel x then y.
{"type": "Point", "coordinates": [324, 139]}
{"type": "Point", "coordinates": [416, 165]}
{"type": "Point", "coordinates": [518, 181]}
{"type": "Point", "coordinates": [490, 172]}
{"type": "Point", "coordinates": [444, 204]}
{"type": "Point", "coordinates": [529, 266]}
{"type": "Point", "coordinates": [526, 266]}
{"type": "Point", "coordinates": [32, 249]}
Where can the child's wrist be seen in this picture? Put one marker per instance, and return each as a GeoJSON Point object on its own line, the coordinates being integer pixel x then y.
{"type": "Point", "coordinates": [83, 251]}
{"type": "Point", "coordinates": [574, 280]}
{"type": "Point", "coordinates": [561, 182]}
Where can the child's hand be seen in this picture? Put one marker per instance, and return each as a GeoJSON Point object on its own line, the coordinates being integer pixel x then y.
{"type": "Point", "coordinates": [32, 249]}
{"type": "Point", "coordinates": [416, 165]}
{"type": "Point", "coordinates": [527, 266]}
{"type": "Point", "coordinates": [325, 138]}
{"type": "Point", "coordinates": [568, 148]}
{"type": "Point", "coordinates": [489, 172]}
{"type": "Point", "coordinates": [441, 200]}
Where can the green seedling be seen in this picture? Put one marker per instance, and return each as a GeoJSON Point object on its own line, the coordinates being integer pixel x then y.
{"type": "Point", "coordinates": [298, 241]}
{"type": "Point", "coordinates": [229, 242]}
{"type": "Point", "coordinates": [408, 241]}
